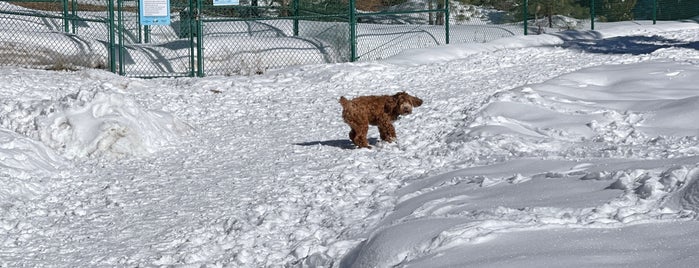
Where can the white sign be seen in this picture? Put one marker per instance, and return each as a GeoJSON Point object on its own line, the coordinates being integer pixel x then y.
{"type": "Point", "coordinates": [154, 12]}
{"type": "Point", "coordinates": [226, 2]}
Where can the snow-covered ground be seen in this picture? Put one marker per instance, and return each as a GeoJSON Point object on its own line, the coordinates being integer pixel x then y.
{"type": "Point", "coordinates": [578, 149]}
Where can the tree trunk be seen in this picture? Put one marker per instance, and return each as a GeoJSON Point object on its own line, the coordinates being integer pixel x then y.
{"type": "Point", "coordinates": [440, 15]}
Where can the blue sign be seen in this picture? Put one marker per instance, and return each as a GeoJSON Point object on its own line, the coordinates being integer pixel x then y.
{"type": "Point", "coordinates": [154, 12]}
{"type": "Point", "coordinates": [226, 2]}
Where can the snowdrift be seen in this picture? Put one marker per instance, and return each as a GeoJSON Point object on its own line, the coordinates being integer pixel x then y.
{"type": "Point", "coordinates": [612, 109]}
{"type": "Point", "coordinates": [103, 122]}
{"type": "Point", "coordinates": [86, 121]}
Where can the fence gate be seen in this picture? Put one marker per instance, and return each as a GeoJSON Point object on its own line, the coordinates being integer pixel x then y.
{"type": "Point", "coordinates": [158, 50]}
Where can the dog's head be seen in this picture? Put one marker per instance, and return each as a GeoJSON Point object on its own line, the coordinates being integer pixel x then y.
{"type": "Point", "coordinates": [402, 103]}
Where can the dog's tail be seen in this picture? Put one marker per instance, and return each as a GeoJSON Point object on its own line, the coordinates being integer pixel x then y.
{"type": "Point", "coordinates": [345, 102]}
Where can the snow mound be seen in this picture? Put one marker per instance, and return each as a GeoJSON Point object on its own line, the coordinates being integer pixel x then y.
{"type": "Point", "coordinates": [689, 198]}
{"type": "Point", "coordinates": [608, 107]}
{"type": "Point", "coordinates": [459, 209]}
{"type": "Point", "coordinates": [22, 157]}
{"type": "Point", "coordinates": [103, 122]}
{"type": "Point", "coordinates": [637, 125]}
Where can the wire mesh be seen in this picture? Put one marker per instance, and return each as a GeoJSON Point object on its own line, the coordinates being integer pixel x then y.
{"type": "Point", "coordinates": [252, 39]}
{"type": "Point", "coordinates": [385, 28]}
{"type": "Point", "coordinates": [666, 9]}
{"type": "Point", "coordinates": [257, 35]}
{"type": "Point", "coordinates": [481, 21]}
{"type": "Point", "coordinates": [546, 16]}
{"type": "Point", "coordinates": [33, 32]}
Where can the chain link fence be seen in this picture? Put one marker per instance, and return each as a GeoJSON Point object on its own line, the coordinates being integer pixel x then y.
{"type": "Point", "coordinates": [254, 37]}
{"type": "Point", "coordinates": [32, 32]}
{"type": "Point", "coordinates": [257, 35]}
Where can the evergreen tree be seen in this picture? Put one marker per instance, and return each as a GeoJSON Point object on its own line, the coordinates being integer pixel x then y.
{"type": "Point", "coordinates": [505, 5]}
{"type": "Point", "coordinates": [643, 10]}
{"type": "Point", "coordinates": [549, 8]}
{"type": "Point", "coordinates": [677, 9]}
{"type": "Point", "coordinates": [615, 10]}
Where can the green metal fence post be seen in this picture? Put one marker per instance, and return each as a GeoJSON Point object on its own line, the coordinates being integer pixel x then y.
{"type": "Point", "coordinates": [120, 33]}
{"type": "Point", "coordinates": [655, 11]}
{"type": "Point", "coordinates": [525, 16]}
{"type": "Point", "coordinates": [446, 20]}
{"type": "Point", "coordinates": [353, 30]}
{"type": "Point", "coordinates": [74, 11]}
{"type": "Point", "coordinates": [592, 15]}
{"type": "Point", "coordinates": [200, 41]}
{"type": "Point", "coordinates": [192, 45]}
{"type": "Point", "coordinates": [66, 22]}
{"type": "Point", "coordinates": [295, 6]}
{"type": "Point", "coordinates": [112, 43]}
{"type": "Point", "coordinates": [145, 34]}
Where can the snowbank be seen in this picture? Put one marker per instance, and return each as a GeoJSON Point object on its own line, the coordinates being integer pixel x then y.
{"type": "Point", "coordinates": [22, 158]}
{"type": "Point", "coordinates": [95, 122]}
{"type": "Point", "coordinates": [414, 57]}
{"type": "Point", "coordinates": [626, 103]}
{"type": "Point", "coordinates": [440, 219]}
{"type": "Point", "coordinates": [89, 120]}
{"type": "Point", "coordinates": [611, 111]}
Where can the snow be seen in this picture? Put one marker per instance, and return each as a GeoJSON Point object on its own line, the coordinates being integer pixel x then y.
{"type": "Point", "coordinates": [572, 149]}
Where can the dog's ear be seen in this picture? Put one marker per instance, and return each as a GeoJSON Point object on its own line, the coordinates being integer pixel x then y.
{"type": "Point", "coordinates": [390, 105]}
{"type": "Point", "coordinates": [415, 101]}
{"type": "Point", "coordinates": [344, 102]}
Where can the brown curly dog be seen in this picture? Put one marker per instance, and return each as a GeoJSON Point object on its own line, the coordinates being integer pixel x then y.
{"type": "Point", "coordinates": [379, 111]}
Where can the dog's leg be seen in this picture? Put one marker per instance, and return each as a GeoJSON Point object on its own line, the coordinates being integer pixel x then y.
{"type": "Point", "coordinates": [360, 138]}
{"type": "Point", "coordinates": [387, 131]}
{"type": "Point", "coordinates": [352, 134]}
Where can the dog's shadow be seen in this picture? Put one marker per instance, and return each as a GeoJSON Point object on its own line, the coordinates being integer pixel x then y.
{"type": "Point", "coordinates": [342, 144]}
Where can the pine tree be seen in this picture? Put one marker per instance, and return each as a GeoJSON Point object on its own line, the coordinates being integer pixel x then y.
{"type": "Point", "coordinates": [616, 10]}
{"type": "Point", "coordinates": [549, 8]}
{"type": "Point", "coordinates": [677, 9]}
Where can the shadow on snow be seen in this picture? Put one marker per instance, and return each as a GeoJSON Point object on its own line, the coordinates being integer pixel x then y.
{"type": "Point", "coordinates": [636, 45]}
{"type": "Point", "coordinates": [342, 144]}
